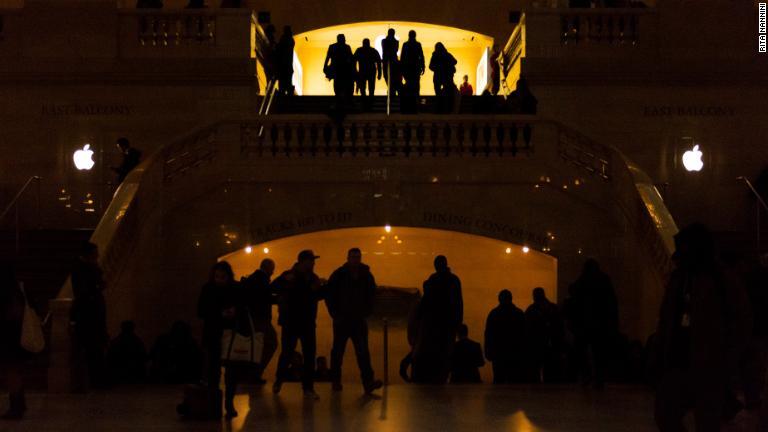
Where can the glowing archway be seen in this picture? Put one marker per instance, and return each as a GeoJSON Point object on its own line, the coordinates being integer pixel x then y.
{"type": "Point", "coordinates": [467, 46]}
{"type": "Point", "coordinates": [402, 257]}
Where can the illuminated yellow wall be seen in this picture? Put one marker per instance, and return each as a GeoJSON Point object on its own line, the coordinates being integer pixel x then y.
{"type": "Point", "coordinates": [312, 46]}
{"type": "Point", "coordinates": [483, 265]}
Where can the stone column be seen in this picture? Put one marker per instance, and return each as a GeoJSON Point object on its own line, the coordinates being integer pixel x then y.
{"type": "Point", "coordinates": [60, 377]}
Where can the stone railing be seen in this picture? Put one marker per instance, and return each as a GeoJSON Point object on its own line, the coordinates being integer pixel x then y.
{"type": "Point", "coordinates": [200, 147]}
{"type": "Point", "coordinates": [584, 153]}
{"type": "Point", "coordinates": [388, 136]}
{"type": "Point", "coordinates": [193, 32]}
{"type": "Point", "coordinates": [591, 33]}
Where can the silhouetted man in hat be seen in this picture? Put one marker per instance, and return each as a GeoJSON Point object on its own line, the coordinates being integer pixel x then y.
{"type": "Point", "coordinates": [298, 291]}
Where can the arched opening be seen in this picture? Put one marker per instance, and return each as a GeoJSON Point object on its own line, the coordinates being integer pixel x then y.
{"type": "Point", "coordinates": [401, 259]}
{"type": "Point", "coordinates": [471, 50]}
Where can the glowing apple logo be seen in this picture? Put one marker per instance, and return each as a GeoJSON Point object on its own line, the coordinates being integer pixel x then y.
{"type": "Point", "coordinates": [84, 158]}
{"type": "Point", "coordinates": [692, 159]}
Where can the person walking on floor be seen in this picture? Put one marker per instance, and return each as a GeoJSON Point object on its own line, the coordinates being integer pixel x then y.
{"type": "Point", "coordinates": [467, 359]}
{"type": "Point", "coordinates": [299, 290]}
{"type": "Point", "coordinates": [505, 341]}
{"type": "Point", "coordinates": [11, 353]}
{"type": "Point", "coordinates": [351, 293]}
{"type": "Point", "coordinates": [441, 311]}
{"type": "Point", "coordinates": [220, 299]}
{"type": "Point", "coordinates": [259, 297]}
{"type": "Point", "coordinates": [89, 315]}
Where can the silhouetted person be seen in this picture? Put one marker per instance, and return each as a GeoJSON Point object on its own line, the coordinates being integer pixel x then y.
{"type": "Point", "coordinates": [351, 292]}
{"type": "Point", "coordinates": [544, 328]}
{"type": "Point", "coordinates": [127, 356]}
{"type": "Point", "coordinates": [298, 290]}
{"type": "Point", "coordinates": [217, 307]}
{"type": "Point", "coordinates": [495, 83]}
{"type": "Point", "coordinates": [467, 359]}
{"type": "Point", "coordinates": [259, 296]}
{"type": "Point", "coordinates": [131, 159]}
{"type": "Point", "coordinates": [11, 353]}
{"type": "Point", "coordinates": [440, 313]}
{"type": "Point", "coordinates": [175, 357]}
{"type": "Point", "coordinates": [523, 100]}
{"type": "Point", "coordinates": [753, 368]}
{"type": "Point", "coordinates": [412, 67]}
{"type": "Point", "coordinates": [284, 61]}
{"type": "Point", "coordinates": [89, 313]}
{"type": "Point", "coordinates": [390, 63]}
{"type": "Point", "coordinates": [594, 318]}
{"type": "Point", "coordinates": [466, 88]}
{"type": "Point", "coordinates": [443, 64]}
{"type": "Point", "coordinates": [196, 4]}
{"type": "Point", "coordinates": [339, 65]}
{"type": "Point", "coordinates": [505, 341]}
{"type": "Point", "coordinates": [702, 330]}
{"type": "Point", "coordinates": [368, 63]}
{"type": "Point", "coordinates": [149, 4]}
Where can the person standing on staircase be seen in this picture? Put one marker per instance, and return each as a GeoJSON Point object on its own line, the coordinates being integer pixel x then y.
{"type": "Point", "coordinates": [89, 314]}
{"type": "Point", "coordinates": [11, 352]}
{"type": "Point", "coordinates": [131, 159]}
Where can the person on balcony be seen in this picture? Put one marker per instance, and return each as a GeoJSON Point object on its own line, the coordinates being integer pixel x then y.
{"type": "Point", "coordinates": [412, 67]}
{"type": "Point", "coordinates": [441, 312]}
{"type": "Point", "coordinates": [131, 159]}
{"type": "Point", "coordinates": [443, 66]}
{"type": "Point", "coordinates": [351, 293]}
{"type": "Point", "coordinates": [505, 341]}
{"type": "Point", "coordinates": [284, 61]}
{"type": "Point", "coordinates": [390, 64]}
{"type": "Point", "coordinates": [299, 290]}
{"type": "Point", "coordinates": [466, 88]}
{"type": "Point", "coordinates": [339, 66]}
{"type": "Point", "coordinates": [368, 64]}
{"type": "Point", "coordinates": [495, 83]}
{"type": "Point", "coordinates": [11, 353]}
{"type": "Point", "coordinates": [89, 314]}
{"type": "Point", "coordinates": [522, 100]}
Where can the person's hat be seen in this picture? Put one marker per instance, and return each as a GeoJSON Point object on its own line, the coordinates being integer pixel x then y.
{"type": "Point", "coordinates": [307, 254]}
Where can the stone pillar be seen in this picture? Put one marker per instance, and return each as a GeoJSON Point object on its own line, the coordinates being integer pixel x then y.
{"type": "Point", "coordinates": [60, 377]}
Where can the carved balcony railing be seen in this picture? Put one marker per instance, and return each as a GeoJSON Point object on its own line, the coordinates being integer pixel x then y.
{"type": "Point", "coordinates": [393, 136]}
{"type": "Point", "coordinates": [618, 27]}
{"type": "Point", "coordinates": [159, 29]}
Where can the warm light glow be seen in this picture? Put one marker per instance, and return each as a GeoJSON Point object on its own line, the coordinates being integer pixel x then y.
{"type": "Point", "coordinates": [508, 250]}
{"type": "Point", "coordinates": [83, 158]}
{"type": "Point", "coordinates": [475, 259]}
{"type": "Point", "coordinates": [248, 249]}
{"type": "Point", "coordinates": [466, 46]}
{"type": "Point", "coordinates": [692, 159]}
{"type": "Point", "coordinates": [266, 250]}
{"type": "Point", "coordinates": [526, 249]}
{"type": "Point", "coordinates": [387, 228]}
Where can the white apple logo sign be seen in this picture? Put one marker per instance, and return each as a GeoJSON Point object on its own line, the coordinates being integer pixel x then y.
{"type": "Point", "coordinates": [84, 158]}
{"type": "Point", "coordinates": [692, 159]}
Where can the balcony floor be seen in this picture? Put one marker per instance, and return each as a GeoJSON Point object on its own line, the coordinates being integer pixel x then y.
{"type": "Point", "coordinates": [400, 408]}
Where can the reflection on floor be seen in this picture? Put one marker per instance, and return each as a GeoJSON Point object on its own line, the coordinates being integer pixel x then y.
{"type": "Point", "coordinates": [401, 408]}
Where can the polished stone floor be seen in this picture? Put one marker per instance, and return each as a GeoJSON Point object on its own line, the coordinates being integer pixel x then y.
{"type": "Point", "coordinates": [400, 408]}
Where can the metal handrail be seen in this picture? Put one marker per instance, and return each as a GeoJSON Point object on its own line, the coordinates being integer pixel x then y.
{"type": "Point", "coordinates": [754, 191]}
{"type": "Point", "coordinates": [15, 203]}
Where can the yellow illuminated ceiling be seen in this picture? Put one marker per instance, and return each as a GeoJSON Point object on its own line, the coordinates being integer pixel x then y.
{"type": "Point", "coordinates": [311, 46]}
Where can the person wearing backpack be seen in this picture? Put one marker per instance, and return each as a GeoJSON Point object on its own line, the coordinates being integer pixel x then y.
{"type": "Point", "coordinates": [11, 352]}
